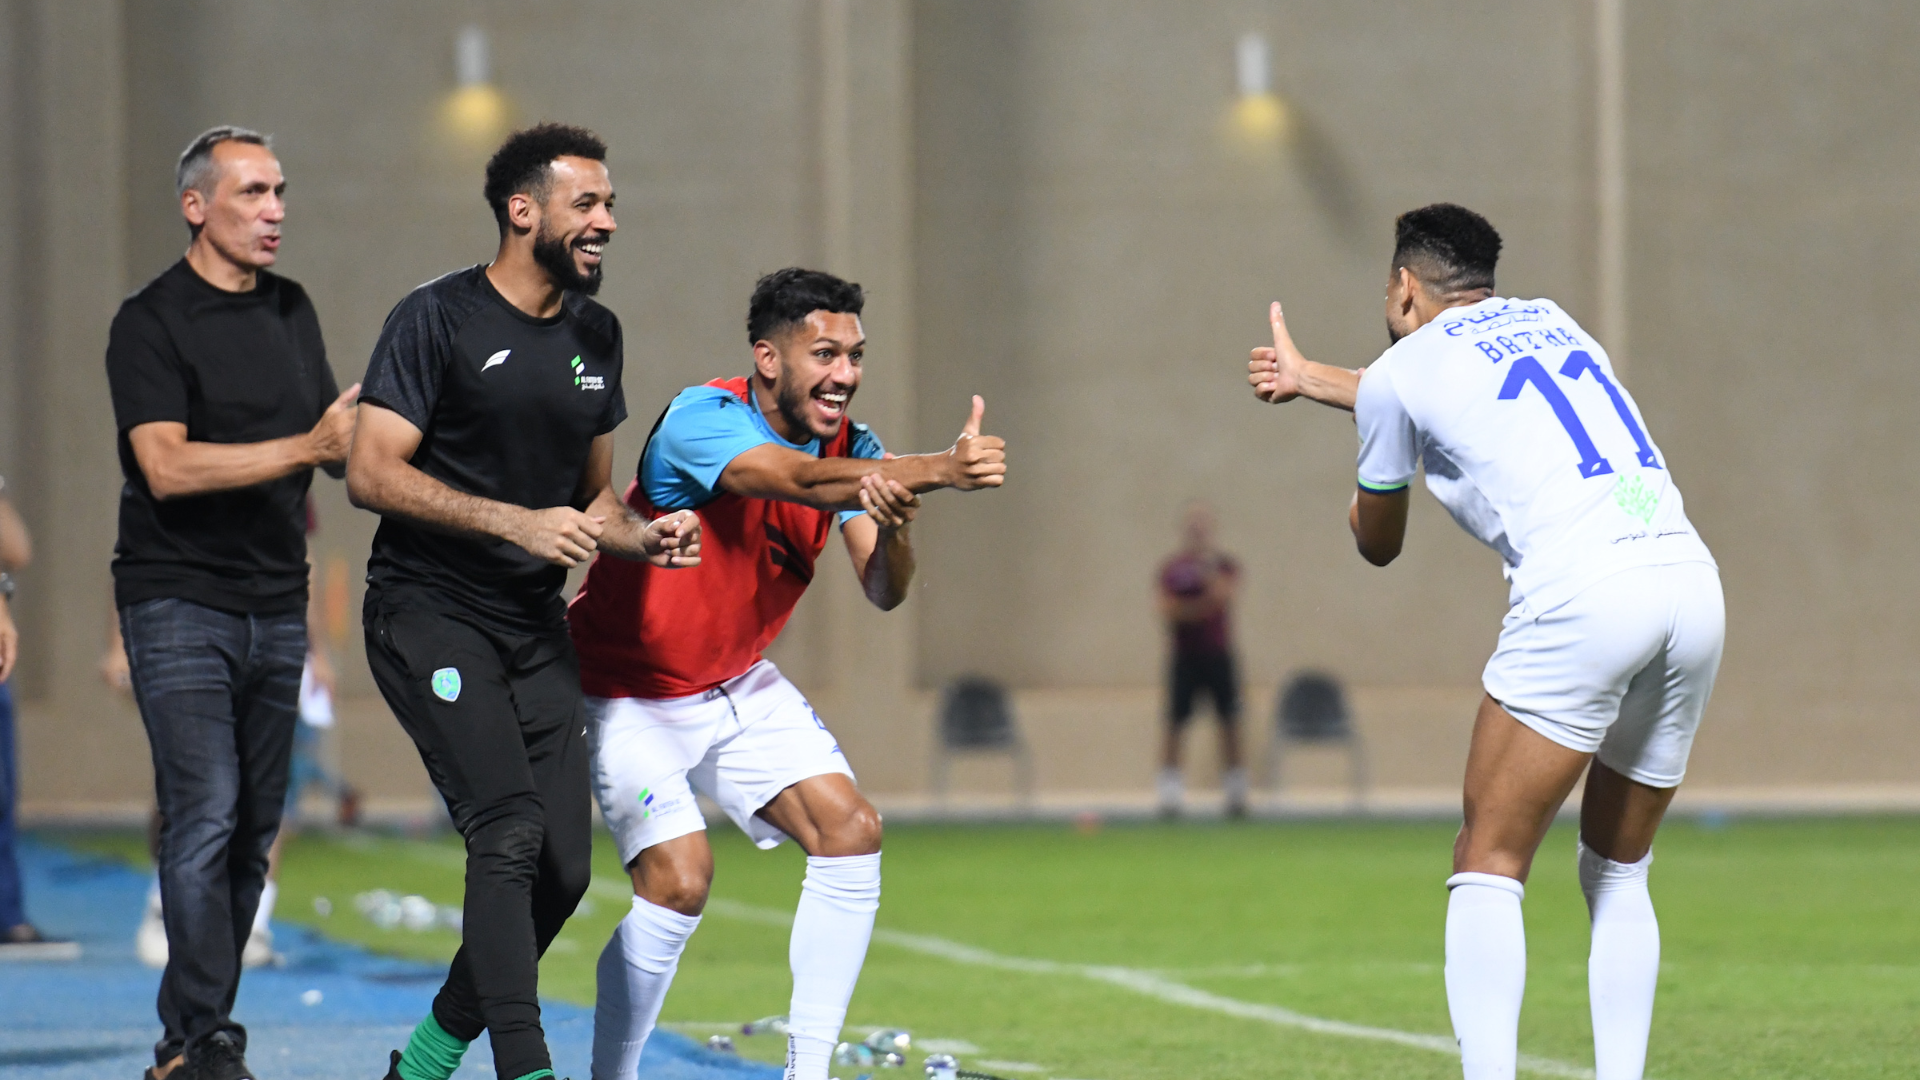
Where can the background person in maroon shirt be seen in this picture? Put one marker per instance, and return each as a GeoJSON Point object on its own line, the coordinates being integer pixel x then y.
{"type": "Point", "coordinates": [1196, 591]}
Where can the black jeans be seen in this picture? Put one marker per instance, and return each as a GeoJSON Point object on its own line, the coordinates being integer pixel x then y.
{"type": "Point", "coordinates": [500, 724]}
{"type": "Point", "coordinates": [219, 693]}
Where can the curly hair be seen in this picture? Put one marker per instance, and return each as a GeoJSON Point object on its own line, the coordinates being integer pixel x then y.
{"type": "Point", "coordinates": [524, 163]}
{"type": "Point", "coordinates": [1449, 248]}
{"type": "Point", "coordinates": [784, 299]}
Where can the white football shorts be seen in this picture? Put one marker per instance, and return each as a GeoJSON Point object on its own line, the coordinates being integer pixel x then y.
{"type": "Point", "coordinates": [739, 744]}
{"type": "Point", "coordinates": [1623, 670]}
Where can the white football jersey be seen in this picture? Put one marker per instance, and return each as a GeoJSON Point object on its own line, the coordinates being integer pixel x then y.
{"type": "Point", "coordinates": [1529, 441]}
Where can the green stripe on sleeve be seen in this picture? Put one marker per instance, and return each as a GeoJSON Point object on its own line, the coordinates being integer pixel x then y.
{"type": "Point", "coordinates": [1382, 489]}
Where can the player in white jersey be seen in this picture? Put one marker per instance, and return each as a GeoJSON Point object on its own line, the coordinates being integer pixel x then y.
{"type": "Point", "coordinates": [1609, 650]}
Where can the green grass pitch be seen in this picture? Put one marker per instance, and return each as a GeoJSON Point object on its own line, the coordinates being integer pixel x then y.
{"type": "Point", "coordinates": [1792, 947]}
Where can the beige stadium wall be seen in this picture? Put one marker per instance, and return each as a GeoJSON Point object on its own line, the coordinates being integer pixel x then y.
{"type": "Point", "coordinates": [1048, 207]}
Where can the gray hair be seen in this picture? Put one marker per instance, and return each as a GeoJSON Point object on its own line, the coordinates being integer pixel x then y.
{"type": "Point", "coordinates": [196, 171]}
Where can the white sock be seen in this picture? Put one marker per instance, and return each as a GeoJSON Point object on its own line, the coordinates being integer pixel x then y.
{"type": "Point", "coordinates": [1486, 972]}
{"type": "Point", "coordinates": [1624, 964]}
{"type": "Point", "coordinates": [634, 972]}
{"type": "Point", "coordinates": [269, 893]}
{"type": "Point", "coordinates": [831, 928]}
{"type": "Point", "coordinates": [1172, 789]}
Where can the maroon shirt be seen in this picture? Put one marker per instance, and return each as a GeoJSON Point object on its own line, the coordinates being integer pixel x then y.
{"type": "Point", "coordinates": [1187, 577]}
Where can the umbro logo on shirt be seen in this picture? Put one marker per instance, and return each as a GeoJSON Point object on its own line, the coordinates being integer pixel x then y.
{"type": "Point", "coordinates": [496, 359]}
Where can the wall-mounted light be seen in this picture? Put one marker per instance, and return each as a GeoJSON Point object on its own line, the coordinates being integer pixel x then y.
{"type": "Point", "coordinates": [472, 66]}
{"type": "Point", "coordinates": [477, 111]}
{"type": "Point", "coordinates": [1253, 65]}
{"type": "Point", "coordinates": [1259, 116]}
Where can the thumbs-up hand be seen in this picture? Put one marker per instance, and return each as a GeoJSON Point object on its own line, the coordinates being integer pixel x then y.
{"type": "Point", "coordinates": [976, 460]}
{"type": "Point", "coordinates": [1274, 372]}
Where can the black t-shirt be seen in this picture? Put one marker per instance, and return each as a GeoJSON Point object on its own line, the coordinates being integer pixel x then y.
{"type": "Point", "coordinates": [235, 368]}
{"type": "Point", "coordinates": [508, 406]}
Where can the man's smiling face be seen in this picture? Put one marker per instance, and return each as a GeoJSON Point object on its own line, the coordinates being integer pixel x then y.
{"type": "Point", "coordinates": [819, 371]}
{"type": "Point", "coordinates": [576, 221]}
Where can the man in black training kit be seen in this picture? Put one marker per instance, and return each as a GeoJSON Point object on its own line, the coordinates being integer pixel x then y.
{"type": "Point", "coordinates": [486, 445]}
{"type": "Point", "coordinates": [225, 404]}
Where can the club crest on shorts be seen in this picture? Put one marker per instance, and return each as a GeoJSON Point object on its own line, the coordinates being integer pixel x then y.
{"type": "Point", "coordinates": [446, 684]}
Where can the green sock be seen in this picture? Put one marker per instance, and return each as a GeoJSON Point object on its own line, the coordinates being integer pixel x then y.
{"type": "Point", "coordinates": [537, 1074]}
{"type": "Point", "coordinates": [431, 1053]}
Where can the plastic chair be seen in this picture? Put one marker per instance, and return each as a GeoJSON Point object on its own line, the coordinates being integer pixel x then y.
{"type": "Point", "coordinates": [1313, 710]}
{"type": "Point", "coordinates": [976, 716]}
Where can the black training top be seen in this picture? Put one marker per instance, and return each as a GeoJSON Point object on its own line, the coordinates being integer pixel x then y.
{"type": "Point", "coordinates": [235, 368]}
{"type": "Point", "coordinates": [507, 406]}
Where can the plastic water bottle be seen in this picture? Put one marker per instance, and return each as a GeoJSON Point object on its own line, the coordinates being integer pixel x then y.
{"type": "Point", "coordinates": [892, 1060]}
{"type": "Point", "coordinates": [766, 1025]}
{"type": "Point", "coordinates": [380, 907]}
{"type": "Point", "coordinates": [890, 1040]}
{"type": "Point", "coordinates": [721, 1044]}
{"type": "Point", "coordinates": [858, 1055]}
{"type": "Point", "coordinates": [942, 1067]}
{"type": "Point", "coordinates": [418, 913]}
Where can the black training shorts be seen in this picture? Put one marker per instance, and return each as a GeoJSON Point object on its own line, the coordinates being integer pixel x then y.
{"type": "Point", "coordinates": [1209, 673]}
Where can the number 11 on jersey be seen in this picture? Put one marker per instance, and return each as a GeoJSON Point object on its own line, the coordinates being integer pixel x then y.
{"type": "Point", "coordinates": [1528, 370]}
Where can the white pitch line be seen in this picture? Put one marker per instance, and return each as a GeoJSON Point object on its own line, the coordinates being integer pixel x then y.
{"type": "Point", "coordinates": [1140, 982]}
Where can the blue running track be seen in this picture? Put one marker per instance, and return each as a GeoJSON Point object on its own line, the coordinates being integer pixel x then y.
{"type": "Point", "coordinates": [93, 1018]}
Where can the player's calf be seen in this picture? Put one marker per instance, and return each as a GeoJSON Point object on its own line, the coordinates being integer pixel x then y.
{"type": "Point", "coordinates": [1516, 781]}
{"type": "Point", "coordinates": [841, 833]}
{"type": "Point", "coordinates": [1618, 819]}
{"type": "Point", "coordinates": [636, 969]}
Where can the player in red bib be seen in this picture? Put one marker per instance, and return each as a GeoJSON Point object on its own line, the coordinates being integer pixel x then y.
{"type": "Point", "coordinates": [678, 697]}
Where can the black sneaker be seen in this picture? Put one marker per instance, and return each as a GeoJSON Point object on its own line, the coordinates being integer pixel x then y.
{"type": "Point", "coordinates": [393, 1068]}
{"type": "Point", "coordinates": [218, 1057]}
{"type": "Point", "coordinates": [26, 942]}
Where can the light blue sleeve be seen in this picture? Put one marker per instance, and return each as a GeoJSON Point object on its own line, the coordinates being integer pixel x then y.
{"type": "Point", "coordinates": [705, 428]}
{"type": "Point", "coordinates": [865, 444]}
{"type": "Point", "coordinates": [1389, 445]}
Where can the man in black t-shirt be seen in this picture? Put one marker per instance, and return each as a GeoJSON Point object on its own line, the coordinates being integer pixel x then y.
{"type": "Point", "coordinates": [486, 445]}
{"type": "Point", "coordinates": [225, 404]}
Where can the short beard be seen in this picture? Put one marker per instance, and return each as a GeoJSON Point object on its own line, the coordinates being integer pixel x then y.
{"type": "Point", "coordinates": [555, 256]}
{"type": "Point", "coordinates": [792, 405]}
{"type": "Point", "coordinates": [1393, 336]}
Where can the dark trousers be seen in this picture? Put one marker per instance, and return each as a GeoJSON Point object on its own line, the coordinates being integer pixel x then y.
{"type": "Point", "coordinates": [13, 909]}
{"type": "Point", "coordinates": [219, 694]}
{"type": "Point", "coordinates": [500, 724]}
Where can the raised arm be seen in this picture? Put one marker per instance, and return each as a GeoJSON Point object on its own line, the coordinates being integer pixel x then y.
{"type": "Point", "coordinates": [777, 472]}
{"type": "Point", "coordinates": [1281, 374]}
{"type": "Point", "coordinates": [176, 466]}
{"type": "Point", "coordinates": [382, 478]}
{"type": "Point", "coordinates": [671, 540]}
